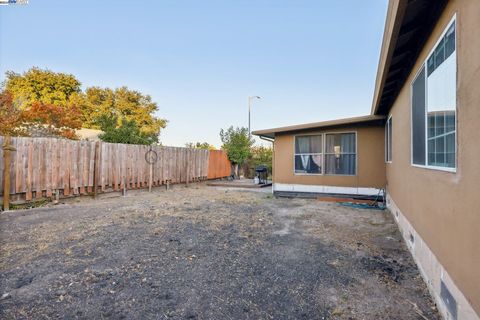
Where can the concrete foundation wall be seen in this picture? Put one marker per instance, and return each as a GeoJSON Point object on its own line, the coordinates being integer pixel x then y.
{"type": "Point", "coordinates": [326, 189]}
{"type": "Point", "coordinates": [432, 270]}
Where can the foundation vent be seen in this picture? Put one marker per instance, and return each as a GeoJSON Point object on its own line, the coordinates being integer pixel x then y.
{"type": "Point", "coordinates": [411, 238]}
{"type": "Point", "coordinates": [448, 300]}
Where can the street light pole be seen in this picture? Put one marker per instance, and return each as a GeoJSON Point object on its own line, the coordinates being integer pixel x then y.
{"type": "Point", "coordinates": [249, 111]}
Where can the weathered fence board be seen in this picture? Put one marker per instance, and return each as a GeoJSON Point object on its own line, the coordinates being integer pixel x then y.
{"type": "Point", "coordinates": [42, 167]}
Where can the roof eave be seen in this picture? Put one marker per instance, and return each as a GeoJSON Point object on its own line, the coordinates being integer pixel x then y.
{"type": "Point", "coordinates": [270, 133]}
{"type": "Point", "coordinates": [407, 28]}
{"type": "Point", "coordinates": [393, 23]}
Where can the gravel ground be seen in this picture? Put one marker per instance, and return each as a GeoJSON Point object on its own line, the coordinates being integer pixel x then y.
{"type": "Point", "coordinates": [206, 253]}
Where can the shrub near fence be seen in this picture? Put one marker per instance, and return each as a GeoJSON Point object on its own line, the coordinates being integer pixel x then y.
{"type": "Point", "coordinates": [40, 167]}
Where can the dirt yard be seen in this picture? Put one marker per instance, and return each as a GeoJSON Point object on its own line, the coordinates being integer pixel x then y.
{"type": "Point", "coordinates": [206, 253]}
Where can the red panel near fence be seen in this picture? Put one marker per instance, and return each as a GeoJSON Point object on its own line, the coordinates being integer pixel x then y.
{"type": "Point", "coordinates": [218, 165]}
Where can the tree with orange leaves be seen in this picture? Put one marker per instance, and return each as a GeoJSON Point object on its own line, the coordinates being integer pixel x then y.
{"type": "Point", "coordinates": [45, 119]}
{"type": "Point", "coordinates": [11, 118]}
{"type": "Point", "coordinates": [38, 119]}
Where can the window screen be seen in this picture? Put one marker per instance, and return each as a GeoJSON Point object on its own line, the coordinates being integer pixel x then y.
{"type": "Point", "coordinates": [340, 154]}
{"type": "Point", "coordinates": [308, 154]}
{"type": "Point", "coordinates": [441, 139]}
{"type": "Point", "coordinates": [418, 119]}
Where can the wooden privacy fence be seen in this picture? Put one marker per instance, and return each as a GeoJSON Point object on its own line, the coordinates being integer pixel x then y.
{"type": "Point", "coordinates": [218, 165]}
{"type": "Point", "coordinates": [42, 167]}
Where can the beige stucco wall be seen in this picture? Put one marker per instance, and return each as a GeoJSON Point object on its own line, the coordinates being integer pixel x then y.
{"type": "Point", "coordinates": [370, 160]}
{"type": "Point", "coordinates": [443, 207]}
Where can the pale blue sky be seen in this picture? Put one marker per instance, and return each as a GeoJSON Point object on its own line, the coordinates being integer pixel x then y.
{"type": "Point", "coordinates": [200, 60]}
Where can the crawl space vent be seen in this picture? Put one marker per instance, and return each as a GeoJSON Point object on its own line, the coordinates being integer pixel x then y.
{"type": "Point", "coordinates": [448, 300]}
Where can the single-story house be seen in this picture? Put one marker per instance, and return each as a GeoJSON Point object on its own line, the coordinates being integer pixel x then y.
{"type": "Point", "coordinates": [420, 143]}
{"type": "Point", "coordinates": [343, 156]}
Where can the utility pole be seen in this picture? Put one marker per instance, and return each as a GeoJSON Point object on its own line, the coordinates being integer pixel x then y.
{"type": "Point", "coordinates": [249, 111]}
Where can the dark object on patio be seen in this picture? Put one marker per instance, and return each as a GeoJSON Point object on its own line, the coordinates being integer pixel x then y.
{"type": "Point", "coordinates": [262, 174]}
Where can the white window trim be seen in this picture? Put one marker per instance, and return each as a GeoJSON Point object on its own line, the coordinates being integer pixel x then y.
{"type": "Point", "coordinates": [356, 154]}
{"type": "Point", "coordinates": [324, 134]}
{"type": "Point", "coordinates": [386, 141]}
{"type": "Point", "coordinates": [424, 64]}
{"type": "Point", "coordinates": [322, 153]}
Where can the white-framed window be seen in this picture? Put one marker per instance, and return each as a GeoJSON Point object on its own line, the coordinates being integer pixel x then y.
{"type": "Point", "coordinates": [388, 139]}
{"type": "Point", "coordinates": [341, 153]}
{"type": "Point", "coordinates": [308, 154]}
{"type": "Point", "coordinates": [434, 106]}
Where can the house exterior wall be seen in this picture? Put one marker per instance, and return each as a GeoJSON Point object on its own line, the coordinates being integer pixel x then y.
{"type": "Point", "coordinates": [443, 208]}
{"type": "Point", "coordinates": [370, 161]}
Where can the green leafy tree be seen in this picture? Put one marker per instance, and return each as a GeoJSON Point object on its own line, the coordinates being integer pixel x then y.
{"type": "Point", "coordinates": [123, 104]}
{"type": "Point", "coordinates": [54, 93]}
{"type": "Point", "coordinates": [45, 102]}
{"type": "Point", "coordinates": [237, 144]}
{"type": "Point", "coordinates": [41, 86]}
{"type": "Point", "coordinates": [98, 103]}
{"type": "Point", "coordinates": [200, 145]}
{"type": "Point", "coordinates": [125, 132]}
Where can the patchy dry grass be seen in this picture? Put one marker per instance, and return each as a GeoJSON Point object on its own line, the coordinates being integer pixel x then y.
{"type": "Point", "coordinates": [206, 253]}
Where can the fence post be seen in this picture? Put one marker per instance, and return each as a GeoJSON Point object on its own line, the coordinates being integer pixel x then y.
{"type": "Point", "coordinates": [7, 148]}
{"type": "Point", "coordinates": [150, 177]}
{"type": "Point", "coordinates": [96, 169]}
{"type": "Point", "coordinates": [187, 165]}
{"type": "Point", "coordinates": [57, 197]}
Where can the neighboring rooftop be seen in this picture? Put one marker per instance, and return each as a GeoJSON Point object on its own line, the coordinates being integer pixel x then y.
{"type": "Point", "coordinates": [370, 119]}
{"type": "Point", "coordinates": [88, 134]}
